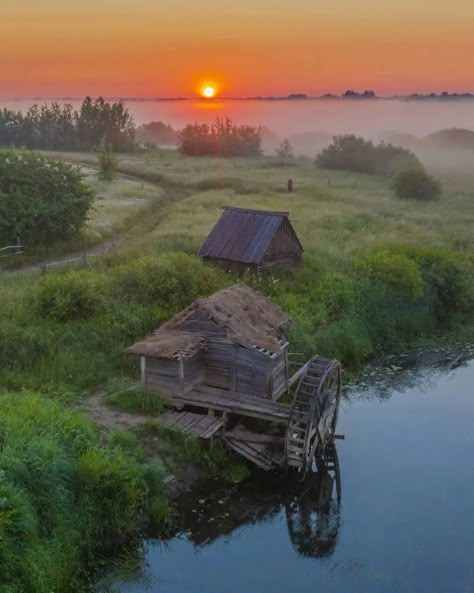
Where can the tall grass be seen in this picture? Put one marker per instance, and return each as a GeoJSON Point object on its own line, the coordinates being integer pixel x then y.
{"type": "Point", "coordinates": [63, 497]}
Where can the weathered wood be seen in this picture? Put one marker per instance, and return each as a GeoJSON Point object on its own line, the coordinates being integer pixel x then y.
{"type": "Point", "coordinates": [199, 425]}
{"type": "Point", "coordinates": [256, 453]}
{"type": "Point", "coordinates": [235, 403]}
{"type": "Point", "coordinates": [242, 434]}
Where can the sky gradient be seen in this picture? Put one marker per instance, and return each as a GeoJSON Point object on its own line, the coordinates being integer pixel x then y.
{"type": "Point", "coordinates": [169, 48]}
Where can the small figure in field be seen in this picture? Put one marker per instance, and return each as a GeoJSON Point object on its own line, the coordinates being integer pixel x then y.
{"type": "Point", "coordinates": [290, 185]}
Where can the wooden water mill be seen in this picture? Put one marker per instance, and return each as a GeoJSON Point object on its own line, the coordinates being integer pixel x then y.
{"type": "Point", "coordinates": [222, 366]}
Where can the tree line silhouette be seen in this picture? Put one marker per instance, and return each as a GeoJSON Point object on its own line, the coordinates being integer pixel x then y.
{"type": "Point", "coordinates": [60, 127]}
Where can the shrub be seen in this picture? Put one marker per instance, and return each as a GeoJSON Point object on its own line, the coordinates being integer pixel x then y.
{"type": "Point", "coordinates": [394, 270]}
{"type": "Point", "coordinates": [74, 295]}
{"type": "Point", "coordinates": [353, 153]}
{"type": "Point", "coordinates": [416, 184]}
{"type": "Point", "coordinates": [285, 150]}
{"type": "Point", "coordinates": [171, 281]}
{"type": "Point", "coordinates": [107, 163]}
{"type": "Point", "coordinates": [448, 276]}
{"type": "Point", "coordinates": [41, 200]}
{"type": "Point", "coordinates": [347, 340]}
{"type": "Point", "coordinates": [63, 497]}
{"type": "Point", "coordinates": [223, 138]}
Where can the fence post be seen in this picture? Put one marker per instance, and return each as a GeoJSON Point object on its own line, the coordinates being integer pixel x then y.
{"type": "Point", "coordinates": [44, 269]}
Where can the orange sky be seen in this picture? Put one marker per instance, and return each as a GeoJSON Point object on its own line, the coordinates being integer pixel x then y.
{"type": "Point", "coordinates": [168, 47]}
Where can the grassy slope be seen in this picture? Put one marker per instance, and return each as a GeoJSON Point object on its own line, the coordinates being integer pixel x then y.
{"type": "Point", "coordinates": [337, 215]}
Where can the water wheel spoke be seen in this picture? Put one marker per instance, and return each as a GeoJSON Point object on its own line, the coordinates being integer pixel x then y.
{"type": "Point", "coordinates": [313, 412]}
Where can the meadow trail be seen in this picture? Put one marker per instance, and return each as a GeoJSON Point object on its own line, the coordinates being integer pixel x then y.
{"type": "Point", "coordinates": [108, 418]}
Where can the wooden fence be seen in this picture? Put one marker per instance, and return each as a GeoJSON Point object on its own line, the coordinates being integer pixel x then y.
{"type": "Point", "coordinates": [10, 250]}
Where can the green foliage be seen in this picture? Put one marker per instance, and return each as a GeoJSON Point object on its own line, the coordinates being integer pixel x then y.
{"type": "Point", "coordinates": [353, 153]}
{"type": "Point", "coordinates": [74, 295]}
{"type": "Point", "coordinates": [285, 150]}
{"type": "Point", "coordinates": [448, 278]}
{"type": "Point", "coordinates": [107, 163]}
{"type": "Point", "coordinates": [131, 398]}
{"type": "Point", "coordinates": [173, 280]}
{"type": "Point", "coordinates": [223, 138]}
{"type": "Point", "coordinates": [62, 496]}
{"type": "Point", "coordinates": [41, 200]}
{"type": "Point", "coordinates": [61, 128]}
{"type": "Point", "coordinates": [395, 270]}
{"type": "Point", "coordinates": [416, 184]}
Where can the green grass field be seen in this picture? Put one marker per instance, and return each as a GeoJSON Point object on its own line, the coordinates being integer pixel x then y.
{"type": "Point", "coordinates": [378, 275]}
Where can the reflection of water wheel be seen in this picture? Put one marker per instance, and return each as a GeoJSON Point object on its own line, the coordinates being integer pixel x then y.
{"type": "Point", "coordinates": [313, 516]}
{"type": "Point", "coordinates": [313, 414]}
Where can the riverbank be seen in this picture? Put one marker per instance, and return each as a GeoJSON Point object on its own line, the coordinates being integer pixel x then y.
{"type": "Point", "coordinates": [395, 505]}
{"type": "Point", "coordinates": [375, 278]}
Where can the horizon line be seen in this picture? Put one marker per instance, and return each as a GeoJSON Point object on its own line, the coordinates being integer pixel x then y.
{"type": "Point", "coordinates": [290, 97]}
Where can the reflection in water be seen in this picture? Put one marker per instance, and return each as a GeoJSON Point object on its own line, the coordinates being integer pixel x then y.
{"type": "Point", "coordinates": [313, 514]}
{"type": "Point", "coordinates": [406, 459]}
{"type": "Point", "coordinates": [311, 509]}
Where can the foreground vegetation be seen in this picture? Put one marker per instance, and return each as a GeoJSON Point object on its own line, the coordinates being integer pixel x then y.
{"type": "Point", "coordinates": [64, 498]}
{"type": "Point", "coordinates": [376, 276]}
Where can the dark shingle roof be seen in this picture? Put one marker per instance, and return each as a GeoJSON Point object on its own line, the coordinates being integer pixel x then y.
{"type": "Point", "coordinates": [242, 235]}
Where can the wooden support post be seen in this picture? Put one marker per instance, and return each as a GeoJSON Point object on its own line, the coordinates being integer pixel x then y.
{"type": "Point", "coordinates": [181, 375]}
{"type": "Point", "coordinates": [143, 371]}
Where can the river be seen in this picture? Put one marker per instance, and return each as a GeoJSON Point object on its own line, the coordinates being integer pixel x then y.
{"type": "Point", "coordinates": [404, 523]}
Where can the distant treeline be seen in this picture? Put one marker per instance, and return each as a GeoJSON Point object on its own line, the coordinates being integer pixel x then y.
{"type": "Point", "coordinates": [223, 138]}
{"type": "Point", "coordinates": [60, 127]}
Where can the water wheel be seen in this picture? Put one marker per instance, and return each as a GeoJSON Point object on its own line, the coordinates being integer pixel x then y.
{"type": "Point", "coordinates": [313, 414]}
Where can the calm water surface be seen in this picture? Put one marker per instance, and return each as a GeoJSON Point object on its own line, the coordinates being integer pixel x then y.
{"type": "Point", "coordinates": [405, 522]}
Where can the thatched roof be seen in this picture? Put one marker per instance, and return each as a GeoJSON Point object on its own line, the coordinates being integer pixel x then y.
{"type": "Point", "coordinates": [169, 344]}
{"type": "Point", "coordinates": [244, 235]}
{"type": "Point", "coordinates": [242, 314]}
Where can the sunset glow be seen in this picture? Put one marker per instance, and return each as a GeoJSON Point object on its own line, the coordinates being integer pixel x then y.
{"type": "Point", "coordinates": [169, 49]}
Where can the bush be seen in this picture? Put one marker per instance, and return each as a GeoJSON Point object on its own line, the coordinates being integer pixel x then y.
{"type": "Point", "coordinates": [63, 497]}
{"type": "Point", "coordinates": [353, 153]}
{"type": "Point", "coordinates": [285, 150]}
{"type": "Point", "coordinates": [223, 138]}
{"type": "Point", "coordinates": [416, 184]}
{"type": "Point", "coordinates": [171, 281]}
{"type": "Point", "coordinates": [41, 200]}
{"type": "Point", "coordinates": [394, 270]}
{"type": "Point", "coordinates": [74, 295]}
{"type": "Point", "coordinates": [107, 163]}
{"type": "Point", "coordinates": [448, 277]}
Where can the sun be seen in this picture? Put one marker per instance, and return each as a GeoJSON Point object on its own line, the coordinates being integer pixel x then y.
{"type": "Point", "coordinates": [208, 91]}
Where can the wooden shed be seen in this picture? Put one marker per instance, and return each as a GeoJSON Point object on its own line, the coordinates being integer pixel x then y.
{"type": "Point", "coordinates": [252, 238]}
{"type": "Point", "coordinates": [233, 340]}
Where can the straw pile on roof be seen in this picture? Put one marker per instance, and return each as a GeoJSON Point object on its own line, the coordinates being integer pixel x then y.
{"type": "Point", "coordinates": [169, 344]}
{"type": "Point", "coordinates": [245, 316]}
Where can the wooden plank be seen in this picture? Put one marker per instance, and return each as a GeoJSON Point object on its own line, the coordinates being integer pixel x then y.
{"type": "Point", "coordinates": [236, 403]}
{"type": "Point", "coordinates": [249, 436]}
{"type": "Point", "coordinates": [253, 454]}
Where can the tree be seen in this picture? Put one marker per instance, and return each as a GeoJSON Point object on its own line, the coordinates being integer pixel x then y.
{"type": "Point", "coordinates": [353, 153]}
{"type": "Point", "coordinates": [223, 138]}
{"type": "Point", "coordinates": [416, 184]}
{"type": "Point", "coordinates": [41, 200]}
{"type": "Point", "coordinates": [107, 162]}
{"type": "Point", "coordinates": [285, 150]}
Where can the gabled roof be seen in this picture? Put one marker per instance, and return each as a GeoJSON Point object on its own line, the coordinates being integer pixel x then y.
{"type": "Point", "coordinates": [243, 235]}
{"type": "Point", "coordinates": [244, 316]}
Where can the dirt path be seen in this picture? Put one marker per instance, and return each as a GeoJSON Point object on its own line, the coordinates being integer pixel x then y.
{"type": "Point", "coordinates": [107, 417]}
{"type": "Point", "coordinates": [76, 256]}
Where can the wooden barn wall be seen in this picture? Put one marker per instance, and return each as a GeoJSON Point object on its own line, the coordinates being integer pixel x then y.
{"type": "Point", "coordinates": [162, 375]}
{"type": "Point", "coordinates": [199, 323]}
{"type": "Point", "coordinates": [253, 372]}
{"type": "Point", "coordinates": [165, 375]}
{"type": "Point", "coordinates": [284, 248]}
{"type": "Point", "coordinates": [218, 363]}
